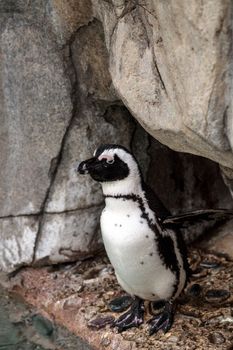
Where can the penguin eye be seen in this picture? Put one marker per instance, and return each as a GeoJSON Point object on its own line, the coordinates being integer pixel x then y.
{"type": "Point", "coordinates": [110, 161]}
{"type": "Point", "coordinates": [106, 160]}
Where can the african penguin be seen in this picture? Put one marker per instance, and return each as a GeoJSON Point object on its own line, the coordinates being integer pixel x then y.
{"type": "Point", "coordinates": [147, 253]}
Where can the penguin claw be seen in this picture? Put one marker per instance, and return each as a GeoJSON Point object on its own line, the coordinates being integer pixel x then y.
{"type": "Point", "coordinates": [158, 322]}
{"type": "Point", "coordinates": [132, 318]}
{"type": "Point", "coordinates": [163, 320]}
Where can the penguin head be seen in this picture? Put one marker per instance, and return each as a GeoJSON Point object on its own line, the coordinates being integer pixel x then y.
{"type": "Point", "coordinates": [111, 163]}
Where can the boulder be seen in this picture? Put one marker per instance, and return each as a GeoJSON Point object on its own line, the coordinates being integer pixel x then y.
{"type": "Point", "coordinates": [171, 65]}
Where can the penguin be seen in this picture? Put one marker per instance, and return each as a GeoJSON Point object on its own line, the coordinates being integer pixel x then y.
{"type": "Point", "coordinates": [142, 239]}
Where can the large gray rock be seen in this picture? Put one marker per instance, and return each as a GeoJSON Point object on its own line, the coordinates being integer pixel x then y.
{"type": "Point", "coordinates": [66, 17]}
{"type": "Point", "coordinates": [64, 78]}
{"type": "Point", "coordinates": [17, 241]}
{"type": "Point", "coordinates": [35, 97]}
{"type": "Point", "coordinates": [98, 120]}
{"type": "Point", "coordinates": [35, 111]}
{"type": "Point", "coordinates": [69, 236]}
{"type": "Point", "coordinates": [171, 64]}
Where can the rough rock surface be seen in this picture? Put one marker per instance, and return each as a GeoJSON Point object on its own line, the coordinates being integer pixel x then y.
{"type": "Point", "coordinates": [171, 64]}
{"type": "Point", "coordinates": [220, 242]}
{"type": "Point", "coordinates": [35, 95]}
{"type": "Point", "coordinates": [23, 328]}
{"type": "Point", "coordinates": [57, 105]}
{"type": "Point", "coordinates": [17, 243]}
{"type": "Point", "coordinates": [67, 71]}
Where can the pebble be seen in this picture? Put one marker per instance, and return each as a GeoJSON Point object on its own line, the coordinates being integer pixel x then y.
{"type": "Point", "coordinates": [42, 325]}
{"type": "Point", "coordinates": [105, 342]}
{"type": "Point", "coordinates": [105, 272]}
{"type": "Point", "coordinates": [210, 264]}
{"type": "Point", "coordinates": [173, 339]}
{"type": "Point", "coordinates": [195, 290]}
{"type": "Point", "coordinates": [90, 312]}
{"type": "Point", "coordinates": [72, 302]}
{"type": "Point", "coordinates": [216, 338]}
{"type": "Point", "coordinates": [101, 322]}
{"type": "Point", "coordinates": [100, 303]}
{"type": "Point", "coordinates": [227, 319]}
{"type": "Point", "coordinates": [213, 295]}
{"type": "Point", "coordinates": [199, 272]}
{"type": "Point", "coordinates": [120, 304]}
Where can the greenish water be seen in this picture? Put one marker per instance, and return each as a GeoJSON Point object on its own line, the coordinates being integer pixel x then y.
{"type": "Point", "coordinates": [22, 328]}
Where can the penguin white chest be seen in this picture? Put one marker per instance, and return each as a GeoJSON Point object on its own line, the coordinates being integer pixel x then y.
{"type": "Point", "coordinates": [132, 249]}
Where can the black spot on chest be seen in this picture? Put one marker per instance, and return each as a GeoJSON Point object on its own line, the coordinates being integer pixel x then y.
{"type": "Point", "coordinates": [167, 252]}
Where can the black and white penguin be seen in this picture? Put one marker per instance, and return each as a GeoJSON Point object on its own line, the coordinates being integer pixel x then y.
{"type": "Point", "coordinates": [141, 238]}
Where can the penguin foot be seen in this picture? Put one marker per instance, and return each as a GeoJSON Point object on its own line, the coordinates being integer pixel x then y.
{"type": "Point", "coordinates": [156, 306]}
{"type": "Point", "coordinates": [163, 320]}
{"type": "Point", "coordinates": [121, 304]}
{"type": "Point", "coordinates": [132, 318]}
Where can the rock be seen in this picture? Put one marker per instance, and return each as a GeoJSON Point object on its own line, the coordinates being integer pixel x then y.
{"type": "Point", "coordinates": [67, 17]}
{"type": "Point", "coordinates": [216, 338]}
{"type": "Point", "coordinates": [195, 290]}
{"type": "Point", "coordinates": [42, 325]}
{"type": "Point", "coordinates": [22, 328]}
{"type": "Point", "coordinates": [69, 236]}
{"type": "Point", "coordinates": [227, 175]}
{"type": "Point", "coordinates": [95, 122]}
{"type": "Point", "coordinates": [17, 241]}
{"type": "Point", "coordinates": [170, 64]}
{"type": "Point", "coordinates": [14, 6]}
{"type": "Point", "coordinates": [53, 101]}
{"type": "Point", "coordinates": [101, 322]}
{"type": "Point", "coordinates": [217, 295]}
{"type": "Point", "coordinates": [120, 304]}
{"type": "Point", "coordinates": [221, 241]}
{"type": "Point", "coordinates": [35, 96]}
{"type": "Point", "coordinates": [90, 58]}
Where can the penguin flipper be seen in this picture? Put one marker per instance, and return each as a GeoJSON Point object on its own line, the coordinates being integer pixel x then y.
{"type": "Point", "coordinates": [155, 203]}
{"type": "Point", "coordinates": [185, 220]}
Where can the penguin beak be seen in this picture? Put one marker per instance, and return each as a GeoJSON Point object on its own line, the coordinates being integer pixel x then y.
{"type": "Point", "coordinates": [87, 165]}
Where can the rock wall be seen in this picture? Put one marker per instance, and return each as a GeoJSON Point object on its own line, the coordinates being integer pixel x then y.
{"type": "Point", "coordinates": [57, 105]}
{"type": "Point", "coordinates": [68, 71]}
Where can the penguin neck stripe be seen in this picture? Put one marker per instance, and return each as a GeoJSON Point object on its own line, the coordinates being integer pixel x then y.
{"type": "Point", "coordinates": [139, 200]}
